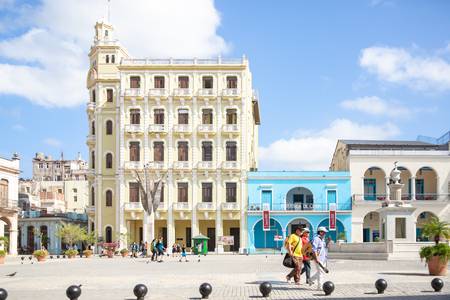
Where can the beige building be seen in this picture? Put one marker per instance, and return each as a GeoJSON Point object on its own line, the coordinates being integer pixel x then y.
{"type": "Point", "coordinates": [195, 121]}
{"type": "Point", "coordinates": [425, 173]}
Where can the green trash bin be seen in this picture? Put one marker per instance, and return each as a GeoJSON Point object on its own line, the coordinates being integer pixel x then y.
{"type": "Point", "coordinates": [200, 244]}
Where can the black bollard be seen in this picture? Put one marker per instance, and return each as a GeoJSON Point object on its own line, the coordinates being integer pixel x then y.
{"type": "Point", "coordinates": [265, 288]}
{"type": "Point", "coordinates": [205, 290]}
{"type": "Point", "coordinates": [437, 284]}
{"type": "Point", "coordinates": [380, 285]}
{"type": "Point", "coordinates": [64, 256]}
{"type": "Point", "coordinates": [328, 288]}
{"type": "Point", "coordinates": [30, 257]}
{"type": "Point", "coordinates": [22, 258]}
{"type": "Point", "coordinates": [57, 256]}
{"type": "Point", "coordinates": [73, 292]}
{"type": "Point", "coordinates": [51, 256]}
{"type": "Point", "coordinates": [3, 294]}
{"type": "Point", "coordinates": [140, 290]}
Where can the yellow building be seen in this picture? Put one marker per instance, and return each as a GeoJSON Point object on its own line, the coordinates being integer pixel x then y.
{"type": "Point", "coordinates": [193, 120]}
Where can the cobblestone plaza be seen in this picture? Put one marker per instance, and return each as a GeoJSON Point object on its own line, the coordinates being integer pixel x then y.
{"type": "Point", "coordinates": [231, 276]}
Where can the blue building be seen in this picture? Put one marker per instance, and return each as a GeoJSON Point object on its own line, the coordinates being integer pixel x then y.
{"type": "Point", "coordinates": [296, 199]}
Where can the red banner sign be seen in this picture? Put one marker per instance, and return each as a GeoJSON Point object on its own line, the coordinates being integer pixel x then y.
{"type": "Point", "coordinates": [266, 220]}
{"type": "Point", "coordinates": [332, 225]}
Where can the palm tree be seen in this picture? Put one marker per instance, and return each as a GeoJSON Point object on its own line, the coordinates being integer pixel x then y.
{"type": "Point", "coordinates": [436, 229]}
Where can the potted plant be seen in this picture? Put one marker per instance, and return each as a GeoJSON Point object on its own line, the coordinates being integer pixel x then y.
{"type": "Point", "coordinates": [436, 256]}
{"type": "Point", "coordinates": [71, 234]}
{"type": "Point", "coordinates": [110, 249]}
{"type": "Point", "coordinates": [40, 255]}
{"type": "Point", "coordinates": [87, 253]}
{"type": "Point", "coordinates": [2, 256]}
{"type": "Point", "coordinates": [71, 253]}
{"type": "Point", "coordinates": [124, 252]}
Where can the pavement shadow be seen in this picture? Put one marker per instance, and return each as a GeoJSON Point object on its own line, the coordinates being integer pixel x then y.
{"type": "Point", "coordinates": [404, 274]}
{"type": "Point", "coordinates": [271, 281]}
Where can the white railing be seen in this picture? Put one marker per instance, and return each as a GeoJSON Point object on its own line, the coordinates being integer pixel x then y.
{"type": "Point", "coordinates": [230, 206]}
{"type": "Point", "coordinates": [134, 92]}
{"type": "Point", "coordinates": [206, 128]}
{"type": "Point", "coordinates": [90, 106]}
{"type": "Point", "coordinates": [183, 128]}
{"type": "Point", "coordinates": [133, 206]}
{"type": "Point", "coordinates": [134, 128]}
{"type": "Point", "coordinates": [133, 165]}
{"type": "Point", "coordinates": [231, 92]}
{"type": "Point", "coordinates": [157, 128]}
{"type": "Point", "coordinates": [190, 61]}
{"type": "Point", "coordinates": [156, 165]}
{"type": "Point", "coordinates": [181, 206]}
{"type": "Point", "coordinates": [158, 92]}
{"type": "Point", "coordinates": [182, 92]}
{"type": "Point", "coordinates": [399, 152]}
{"type": "Point", "coordinates": [206, 92]}
{"type": "Point", "coordinates": [182, 165]}
{"type": "Point", "coordinates": [206, 206]}
{"type": "Point", "coordinates": [162, 206]}
{"type": "Point", "coordinates": [205, 165]}
{"type": "Point", "coordinates": [90, 139]}
{"type": "Point", "coordinates": [230, 128]}
{"type": "Point", "coordinates": [90, 209]}
{"type": "Point", "coordinates": [230, 165]}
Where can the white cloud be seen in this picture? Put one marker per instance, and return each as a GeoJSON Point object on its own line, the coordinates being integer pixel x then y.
{"type": "Point", "coordinates": [52, 142]}
{"type": "Point", "coordinates": [313, 150]}
{"type": "Point", "coordinates": [376, 106]}
{"type": "Point", "coordinates": [397, 65]}
{"type": "Point", "coordinates": [48, 63]}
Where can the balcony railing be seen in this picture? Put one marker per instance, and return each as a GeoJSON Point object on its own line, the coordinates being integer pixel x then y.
{"type": "Point", "coordinates": [182, 128]}
{"type": "Point", "coordinates": [162, 206]}
{"type": "Point", "coordinates": [182, 92]}
{"type": "Point", "coordinates": [90, 210]}
{"type": "Point", "coordinates": [206, 206]}
{"type": "Point", "coordinates": [230, 165]}
{"type": "Point", "coordinates": [90, 107]}
{"type": "Point", "coordinates": [206, 128]}
{"type": "Point", "coordinates": [134, 128]}
{"type": "Point", "coordinates": [182, 206]}
{"type": "Point", "coordinates": [133, 165]}
{"type": "Point", "coordinates": [205, 165]}
{"type": "Point", "coordinates": [227, 206]}
{"type": "Point", "coordinates": [156, 165]}
{"type": "Point", "coordinates": [158, 92]}
{"type": "Point", "coordinates": [134, 92]}
{"type": "Point", "coordinates": [206, 92]}
{"type": "Point", "coordinates": [300, 206]}
{"type": "Point", "coordinates": [231, 92]}
{"type": "Point", "coordinates": [133, 206]}
{"type": "Point", "coordinates": [182, 165]}
{"type": "Point", "coordinates": [230, 128]}
{"type": "Point", "coordinates": [8, 203]}
{"type": "Point", "coordinates": [90, 139]}
{"type": "Point", "coordinates": [191, 61]}
{"type": "Point", "coordinates": [431, 196]}
{"type": "Point", "coordinates": [157, 128]}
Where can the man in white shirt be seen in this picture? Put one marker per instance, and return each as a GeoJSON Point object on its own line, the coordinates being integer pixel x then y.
{"type": "Point", "coordinates": [319, 247]}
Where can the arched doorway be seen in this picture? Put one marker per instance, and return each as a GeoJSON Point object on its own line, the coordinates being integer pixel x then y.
{"type": "Point", "coordinates": [299, 198]}
{"type": "Point", "coordinates": [335, 234]}
{"type": "Point", "coordinates": [422, 219]}
{"type": "Point", "coordinates": [299, 222]}
{"type": "Point", "coordinates": [108, 234]}
{"type": "Point", "coordinates": [266, 239]}
{"type": "Point", "coordinates": [30, 239]}
{"type": "Point", "coordinates": [426, 184]}
{"type": "Point", "coordinates": [374, 184]}
{"type": "Point", "coordinates": [44, 236]}
{"type": "Point", "coordinates": [371, 227]}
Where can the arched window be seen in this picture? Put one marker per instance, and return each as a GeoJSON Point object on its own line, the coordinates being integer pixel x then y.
{"type": "Point", "coordinates": [107, 59]}
{"type": "Point", "coordinates": [108, 198]}
{"type": "Point", "coordinates": [93, 128]}
{"type": "Point", "coordinates": [93, 95]}
{"type": "Point", "coordinates": [108, 234]}
{"type": "Point", "coordinates": [113, 59]}
{"type": "Point", "coordinates": [92, 196]}
{"type": "Point", "coordinates": [109, 127]}
{"type": "Point", "coordinates": [109, 161]}
{"type": "Point", "coordinates": [93, 159]}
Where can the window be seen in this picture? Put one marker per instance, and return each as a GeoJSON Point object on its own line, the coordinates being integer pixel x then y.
{"type": "Point", "coordinates": [207, 151]}
{"type": "Point", "coordinates": [109, 161]}
{"type": "Point", "coordinates": [41, 165]}
{"type": "Point", "coordinates": [92, 196]}
{"type": "Point", "coordinates": [159, 82]}
{"type": "Point", "coordinates": [109, 95]}
{"type": "Point", "coordinates": [230, 191]}
{"type": "Point", "coordinates": [60, 191]}
{"type": "Point", "coordinates": [134, 151]}
{"type": "Point", "coordinates": [231, 151]}
{"type": "Point", "coordinates": [93, 160]}
{"type": "Point", "coordinates": [74, 191]}
{"type": "Point", "coordinates": [135, 116]}
{"type": "Point", "coordinates": [158, 154]}
{"type": "Point", "coordinates": [108, 234]}
{"type": "Point", "coordinates": [109, 127]}
{"type": "Point", "coordinates": [161, 198]}
{"type": "Point", "coordinates": [113, 59]}
{"type": "Point", "coordinates": [93, 128]}
{"type": "Point", "coordinates": [75, 198]}
{"type": "Point", "coordinates": [231, 82]}
{"type": "Point", "coordinates": [93, 95]}
{"type": "Point", "coordinates": [207, 82]}
{"type": "Point", "coordinates": [206, 192]}
{"type": "Point", "coordinates": [107, 59]}
{"type": "Point", "coordinates": [106, 33]}
{"type": "Point", "coordinates": [183, 82]}
{"type": "Point", "coordinates": [108, 198]}
{"type": "Point", "coordinates": [159, 116]}
{"type": "Point", "coordinates": [135, 82]}
{"type": "Point", "coordinates": [183, 149]}
{"type": "Point", "coordinates": [4, 189]}
{"type": "Point", "coordinates": [182, 192]}
{"type": "Point", "coordinates": [183, 116]}
{"type": "Point", "coordinates": [207, 116]}
{"type": "Point", "coordinates": [134, 191]}
{"type": "Point", "coordinates": [231, 116]}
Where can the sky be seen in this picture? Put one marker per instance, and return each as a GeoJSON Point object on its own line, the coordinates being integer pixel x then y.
{"type": "Point", "coordinates": [324, 70]}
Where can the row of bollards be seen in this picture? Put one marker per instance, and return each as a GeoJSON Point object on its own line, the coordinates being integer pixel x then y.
{"type": "Point", "coordinates": [73, 292]}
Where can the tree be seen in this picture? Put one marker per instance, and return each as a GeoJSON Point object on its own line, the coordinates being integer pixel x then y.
{"type": "Point", "coordinates": [71, 234]}
{"type": "Point", "coordinates": [436, 229]}
{"type": "Point", "coordinates": [90, 238]}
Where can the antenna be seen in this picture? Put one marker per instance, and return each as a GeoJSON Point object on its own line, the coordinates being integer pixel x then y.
{"type": "Point", "coordinates": [109, 11]}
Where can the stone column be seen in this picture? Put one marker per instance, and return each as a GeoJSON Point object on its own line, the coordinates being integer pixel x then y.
{"type": "Point", "coordinates": [243, 214]}
{"type": "Point", "coordinates": [170, 218]}
{"type": "Point", "coordinates": [413, 188]}
{"type": "Point", "coordinates": [13, 236]}
{"type": "Point", "coordinates": [194, 221]}
{"type": "Point", "coordinates": [362, 189]}
{"type": "Point", "coordinates": [219, 224]}
{"type": "Point", "coordinates": [388, 190]}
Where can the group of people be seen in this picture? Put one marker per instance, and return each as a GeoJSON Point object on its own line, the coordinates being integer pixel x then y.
{"type": "Point", "coordinates": [179, 251]}
{"type": "Point", "coordinates": [297, 245]}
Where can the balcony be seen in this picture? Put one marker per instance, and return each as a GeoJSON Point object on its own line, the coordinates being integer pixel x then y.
{"type": "Point", "coordinates": [182, 165]}
{"type": "Point", "coordinates": [206, 129]}
{"type": "Point", "coordinates": [231, 93]}
{"type": "Point", "coordinates": [420, 198]}
{"type": "Point", "coordinates": [163, 93]}
{"type": "Point", "coordinates": [90, 172]}
{"type": "Point", "coordinates": [205, 165]}
{"type": "Point", "coordinates": [230, 206]}
{"type": "Point", "coordinates": [206, 206]}
{"type": "Point", "coordinates": [162, 206]}
{"type": "Point", "coordinates": [90, 210]}
{"type": "Point", "coordinates": [230, 165]}
{"type": "Point", "coordinates": [133, 165]}
{"type": "Point", "coordinates": [156, 165]}
{"type": "Point", "coordinates": [206, 93]}
{"type": "Point", "coordinates": [182, 206]}
{"type": "Point", "coordinates": [90, 140]}
{"type": "Point", "coordinates": [90, 107]}
{"type": "Point", "coordinates": [157, 128]}
{"type": "Point", "coordinates": [135, 92]}
{"type": "Point", "coordinates": [8, 204]}
{"type": "Point", "coordinates": [182, 128]}
{"type": "Point", "coordinates": [134, 128]}
{"type": "Point", "coordinates": [182, 93]}
{"type": "Point", "coordinates": [133, 206]}
{"type": "Point", "coordinates": [230, 128]}
{"type": "Point", "coordinates": [301, 206]}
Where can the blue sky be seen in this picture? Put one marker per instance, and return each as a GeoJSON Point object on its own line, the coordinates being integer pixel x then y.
{"type": "Point", "coordinates": [324, 70]}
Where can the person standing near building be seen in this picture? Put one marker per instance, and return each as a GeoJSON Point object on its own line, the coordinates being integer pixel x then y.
{"type": "Point", "coordinates": [319, 248]}
{"type": "Point", "coordinates": [306, 259]}
{"type": "Point", "coordinates": [183, 253]}
{"type": "Point", "coordinates": [294, 248]}
{"type": "Point", "coordinates": [154, 250]}
{"type": "Point", "coordinates": [160, 248]}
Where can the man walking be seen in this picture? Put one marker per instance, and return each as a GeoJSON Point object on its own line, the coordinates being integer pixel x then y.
{"type": "Point", "coordinates": [294, 248]}
{"type": "Point", "coordinates": [320, 250]}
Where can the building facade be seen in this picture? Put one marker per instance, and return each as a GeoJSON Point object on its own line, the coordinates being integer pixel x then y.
{"type": "Point", "coordinates": [192, 122]}
{"type": "Point", "coordinates": [425, 173]}
{"type": "Point", "coordinates": [296, 199]}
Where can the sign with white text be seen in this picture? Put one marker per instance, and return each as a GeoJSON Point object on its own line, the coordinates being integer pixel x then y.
{"type": "Point", "coordinates": [332, 225]}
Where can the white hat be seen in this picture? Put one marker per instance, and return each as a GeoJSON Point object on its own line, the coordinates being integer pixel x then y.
{"type": "Point", "coordinates": [322, 228]}
{"type": "Point", "coordinates": [306, 230]}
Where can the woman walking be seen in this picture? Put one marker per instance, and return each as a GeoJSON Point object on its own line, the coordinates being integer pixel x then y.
{"type": "Point", "coordinates": [306, 259]}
